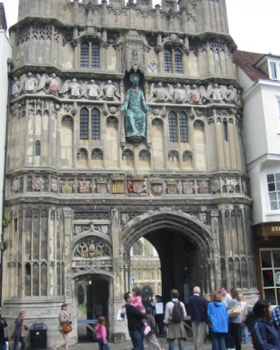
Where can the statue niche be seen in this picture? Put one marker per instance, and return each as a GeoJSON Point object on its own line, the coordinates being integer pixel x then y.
{"type": "Point", "coordinates": [136, 108]}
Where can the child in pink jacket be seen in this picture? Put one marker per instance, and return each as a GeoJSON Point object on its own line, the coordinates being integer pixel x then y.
{"type": "Point", "coordinates": [101, 334]}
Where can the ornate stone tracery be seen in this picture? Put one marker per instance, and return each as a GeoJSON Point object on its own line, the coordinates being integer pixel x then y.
{"type": "Point", "coordinates": [77, 207]}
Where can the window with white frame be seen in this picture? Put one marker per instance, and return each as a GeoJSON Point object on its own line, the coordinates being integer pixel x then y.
{"type": "Point", "coordinates": [274, 69]}
{"type": "Point", "coordinates": [270, 274]}
{"type": "Point", "coordinates": [273, 185]}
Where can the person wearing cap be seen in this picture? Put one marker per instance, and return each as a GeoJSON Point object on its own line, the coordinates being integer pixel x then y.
{"type": "Point", "coordinates": [64, 317]}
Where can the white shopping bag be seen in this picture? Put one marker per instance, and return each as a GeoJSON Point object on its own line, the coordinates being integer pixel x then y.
{"type": "Point", "coordinates": [120, 316]}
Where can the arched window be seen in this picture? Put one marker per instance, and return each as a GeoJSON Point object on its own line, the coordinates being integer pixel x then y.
{"type": "Point", "coordinates": [144, 155]}
{"type": "Point", "coordinates": [84, 55]}
{"type": "Point", "coordinates": [178, 61]}
{"type": "Point", "coordinates": [37, 148]}
{"type": "Point", "coordinates": [97, 154]}
{"type": "Point", "coordinates": [27, 279]}
{"type": "Point", "coordinates": [90, 55]}
{"type": "Point", "coordinates": [178, 134]}
{"type": "Point", "coordinates": [168, 60]}
{"type": "Point", "coordinates": [36, 279]}
{"type": "Point", "coordinates": [173, 61]}
{"type": "Point", "coordinates": [44, 279]}
{"type": "Point", "coordinates": [84, 124]}
{"type": "Point", "coordinates": [95, 55]}
{"type": "Point", "coordinates": [95, 124]}
{"type": "Point", "coordinates": [225, 127]}
{"type": "Point", "coordinates": [173, 129]}
{"type": "Point", "coordinates": [183, 127]}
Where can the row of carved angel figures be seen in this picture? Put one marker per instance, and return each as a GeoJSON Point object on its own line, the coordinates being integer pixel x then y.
{"type": "Point", "coordinates": [194, 94]}
{"type": "Point", "coordinates": [111, 91]}
{"type": "Point", "coordinates": [70, 88]}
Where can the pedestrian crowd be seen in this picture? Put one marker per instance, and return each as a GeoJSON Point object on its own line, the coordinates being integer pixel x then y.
{"type": "Point", "coordinates": [225, 314]}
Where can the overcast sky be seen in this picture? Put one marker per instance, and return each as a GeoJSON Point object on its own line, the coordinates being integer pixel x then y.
{"type": "Point", "coordinates": [254, 24]}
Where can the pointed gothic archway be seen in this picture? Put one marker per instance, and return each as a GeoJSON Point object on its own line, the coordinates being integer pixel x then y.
{"type": "Point", "coordinates": [188, 252]}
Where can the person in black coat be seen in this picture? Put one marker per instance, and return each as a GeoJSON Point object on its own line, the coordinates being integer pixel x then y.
{"type": "Point", "coordinates": [135, 324]}
{"type": "Point", "coordinates": [265, 336]}
{"type": "Point", "coordinates": [3, 332]}
{"type": "Point", "coordinates": [198, 312]}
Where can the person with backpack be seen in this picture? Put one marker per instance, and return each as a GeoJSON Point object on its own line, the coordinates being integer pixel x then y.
{"type": "Point", "coordinates": [175, 313]}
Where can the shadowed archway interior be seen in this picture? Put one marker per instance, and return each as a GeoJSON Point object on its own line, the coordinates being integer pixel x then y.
{"type": "Point", "coordinates": [185, 249]}
{"type": "Point", "coordinates": [180, 261]}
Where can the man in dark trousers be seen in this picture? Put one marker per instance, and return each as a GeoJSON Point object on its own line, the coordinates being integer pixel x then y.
{"type": "Point", "coordinates": [198, 311]}
{"type": "Point", "coordinates": [135, 324]}
{"type": "Point", "coordinates": [3, 332]}
{"type": "Point", "coordinates": [159, 314]}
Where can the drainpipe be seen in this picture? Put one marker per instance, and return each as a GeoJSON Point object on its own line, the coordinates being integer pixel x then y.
{"type": "Point", "coordinates": [10, 67]}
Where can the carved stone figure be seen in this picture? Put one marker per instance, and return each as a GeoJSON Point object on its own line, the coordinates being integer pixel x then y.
{"type": "Point", "coordinates": [54, 83]}
{"type": "Point", "coordinates": [195, 94]}
{"type": "Point", "coordinates": [216, 94]}
{"type": "Point", "coordinates": [91, 249]}
{"type": "Point", "coordinates": [110, 91]}
{"type": "Point", "coordinates": [231, 94]}
{"type": "Point", "coordinates": [30, 83]}
{"type": "Point", "coordinates": [75, 88]}
{"type": "Point", "coordinates": [93, 90]}
{"type": "Point", "coordinates": [135, 122]}
{"type": "Point", "coordinates": [179, 94]}
{"type": "Point", "coordinates": [15, 89]}
{"type": "Point", "coordinates": [239, 100]}
{"type": "Point", "coordinates": [158, 93]}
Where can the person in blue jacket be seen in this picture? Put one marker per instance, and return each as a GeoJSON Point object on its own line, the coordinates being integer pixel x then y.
{"type": "Point", "coordinates": [265, 336]}
{"type": "Point", "coordinates": [218, 322]}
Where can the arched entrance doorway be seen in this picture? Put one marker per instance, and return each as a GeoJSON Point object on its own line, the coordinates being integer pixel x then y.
{"type": "Point", "coordinates": [92, 294]}
{"type": "Point", "coordinates": [185, 247]}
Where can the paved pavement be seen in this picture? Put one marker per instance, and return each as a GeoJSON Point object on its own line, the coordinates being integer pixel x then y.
{"type": "Point", "coordinates": [164, 345]}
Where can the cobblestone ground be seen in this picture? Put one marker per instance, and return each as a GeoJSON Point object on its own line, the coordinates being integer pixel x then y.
{"type": "Point", "coordinates": [164, 345]}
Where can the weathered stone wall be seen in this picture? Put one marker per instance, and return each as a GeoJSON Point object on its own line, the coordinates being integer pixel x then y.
{"type": "Point", "coordinates": [80, 193]}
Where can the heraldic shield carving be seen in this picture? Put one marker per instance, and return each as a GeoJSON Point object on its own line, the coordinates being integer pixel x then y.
{"type": "Point", "coordinates": [92, 248]}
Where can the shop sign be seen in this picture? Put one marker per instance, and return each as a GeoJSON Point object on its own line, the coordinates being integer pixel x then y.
{"type": "Point", "coordinates": [275, 229]}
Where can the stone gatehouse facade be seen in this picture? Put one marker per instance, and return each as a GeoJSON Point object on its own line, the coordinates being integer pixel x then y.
{"type": "Point", "coordinates": [80, 191]}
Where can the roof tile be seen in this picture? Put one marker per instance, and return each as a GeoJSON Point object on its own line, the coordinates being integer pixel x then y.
{"type": "Point", "coordinates": [246, 61]}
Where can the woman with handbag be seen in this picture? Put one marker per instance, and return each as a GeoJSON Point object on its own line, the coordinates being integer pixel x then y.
{"type": "Point", "coordinates": [235, 319]}
{"type": "Point", "coordinates": [244, 328]}
{"type": "Point", "coordinates": [64, 327]}
{"type": "Point", "coordinates": [19, 332]}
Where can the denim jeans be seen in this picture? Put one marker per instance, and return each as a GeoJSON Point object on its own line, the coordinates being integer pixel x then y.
{"type": "Point", "coordinates": [3, 346]}
{"type": "Point", "coordinates": [137, 338]}
{"type": "Point", "coordinates": [218, 341]}
{"type": "Point", "coordinates": [103, 346]}
{"type": "Point", "coordinates": [245, 334]}
{"type": "Point", "coordinates": [180, 343]}
{"type": "Point", "coordinates": [19, 339]}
